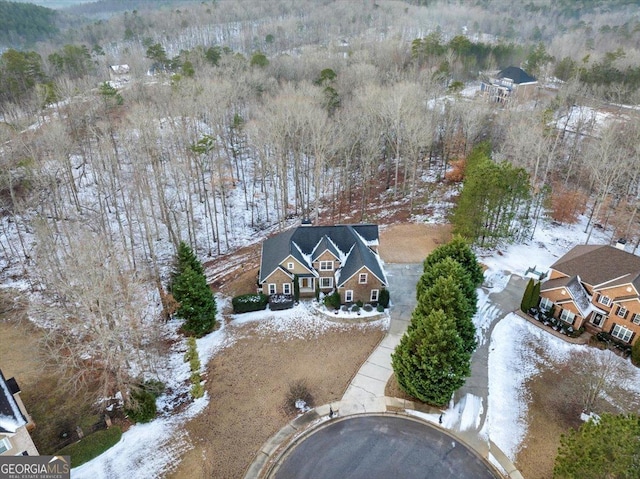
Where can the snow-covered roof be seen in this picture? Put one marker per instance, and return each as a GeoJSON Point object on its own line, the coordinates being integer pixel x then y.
{"type": "Point", "coordinates": [11, 418]}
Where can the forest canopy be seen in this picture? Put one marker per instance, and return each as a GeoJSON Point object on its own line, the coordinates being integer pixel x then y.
{"type": "Point", "coordinates": [25, 23]}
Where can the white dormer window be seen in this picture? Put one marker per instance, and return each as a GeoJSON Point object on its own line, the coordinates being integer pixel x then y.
{"type": "Point", "coordinates": [362, 279]}
{"type": "Point", "coordinates": [289, 266]}
{"type": "Point", "coordinates": [326, 265]}
{"type": "Point", "coordinates": [606, 300]}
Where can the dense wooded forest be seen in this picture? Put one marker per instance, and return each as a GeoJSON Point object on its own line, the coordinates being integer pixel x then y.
{"type": "Point", "coordinates": [237, 119]}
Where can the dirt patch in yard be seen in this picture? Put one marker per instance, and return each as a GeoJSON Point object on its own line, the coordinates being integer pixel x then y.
{"type": "Point", "coordinates": [411, 242]}
{"type": "Point", "coordinates": [247, 384]}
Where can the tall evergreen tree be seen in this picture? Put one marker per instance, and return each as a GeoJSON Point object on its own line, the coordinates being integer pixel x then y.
{"type": "Point", "coordinates": [446, 295]}
{"type": "Point", "coordinates": [459, 250]}
{"type": "Point", "coordinates": [197, 303]}
{"type": "Point", "coordinates": [185, 257]}
{"type": "Point", "coordinates": [525, 304]}
{"type": "Point", "coordinates": [449, 267]}
{"type": "Point", "coordinates": [430, 362]}
{"type": "Point", "coordinates": [608, 448]}
{"type": "Point", "coordinates": [492, 202]}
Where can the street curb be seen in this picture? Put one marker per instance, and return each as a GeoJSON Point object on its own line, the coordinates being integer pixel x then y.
{"type": "Point", "coordinates": [281, 443]}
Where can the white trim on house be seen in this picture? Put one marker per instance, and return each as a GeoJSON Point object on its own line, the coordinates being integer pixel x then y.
{"type": "Point", "coordinates": [325, 263]}
{"type": "Point", "coordinates": [546, 306]}
{"type": "Point", "coordinates": [286, 288]}
{"type": "Point", "coordinates": [279, 268]}
{"type": "Point", "coordinates": [272, 288]}
{"type": "Point", "coordinates": [5, 445]}
{"type": "Point", "coordinates": [362, 278]}
{"type": "Point", "coordinates": [622, 333]}
{"type": "Point", "coordinates": [374, 297]}
{"type": "Point", "coordinates": [330, 282]}
{"type": "Point", "coordinates": [342, 282]}
{"type": "Point", "coordinates": [348, 296]}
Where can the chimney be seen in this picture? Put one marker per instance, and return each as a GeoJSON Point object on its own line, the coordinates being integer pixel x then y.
{"type": "Point", "coordinates": [621, 244]}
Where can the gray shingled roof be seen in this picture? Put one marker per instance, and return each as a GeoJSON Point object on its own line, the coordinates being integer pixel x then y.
{"type": "Point", "coordinates": [361, 255]}
{"type": "Point", "coordinates": [339, 239]}
{"type": "Point", "coordinates": [518, 75]}
{"type": "Point", "coordinates": [597, 264]}
{"type": "Point", "coordinates": [323, 245]}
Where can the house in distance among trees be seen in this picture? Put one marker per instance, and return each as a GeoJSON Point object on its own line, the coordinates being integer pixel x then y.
{"type": "Point", "coordinates": [510, 82]}
{"type": "Point", "coordinates": [598, 287]}
{"type": "Point", "coordinates": [324, 258]}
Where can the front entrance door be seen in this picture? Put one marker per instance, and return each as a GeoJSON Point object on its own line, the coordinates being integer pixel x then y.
{"type": "Point", "coordinates": [598, 319]}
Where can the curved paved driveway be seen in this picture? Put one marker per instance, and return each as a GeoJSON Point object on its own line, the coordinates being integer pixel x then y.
{"type": "Point", "coordinates": [381, 447]}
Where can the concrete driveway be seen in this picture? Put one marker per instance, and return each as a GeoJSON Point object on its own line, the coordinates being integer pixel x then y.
{"type": "Point", "coordinates": [381, 447]}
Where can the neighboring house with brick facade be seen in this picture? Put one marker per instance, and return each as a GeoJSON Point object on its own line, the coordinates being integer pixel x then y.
{"type": "Point", "coordinates": [597, 287]}
{"type": "Point", "coordinates": [15, 423]}
{"type": "Point", "coordinates": [341, 257]}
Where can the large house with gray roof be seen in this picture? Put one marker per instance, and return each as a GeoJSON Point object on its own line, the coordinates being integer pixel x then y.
{"type": "Point", "coordinates": [598, 287]}
{"type": "Point", "coordinates": [15, 423]}
{"type": "Point", "coordinates": [324, 258]}
{"type": "Point", "coordinates": [510, 82]}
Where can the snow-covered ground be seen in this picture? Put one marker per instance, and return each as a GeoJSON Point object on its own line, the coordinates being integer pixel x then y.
{"type": "Point", "coordinates": [150, 450]}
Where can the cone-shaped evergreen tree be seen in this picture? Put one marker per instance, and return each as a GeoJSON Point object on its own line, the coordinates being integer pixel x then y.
{"type": "Point", "coordinates": [459, 250]}
{"type": "Point", "coordinates": [446, 295]}
{"type": "Point", "coordinates": [449, 267]}
{"type": "Point", "coordinates": [197, 303]}
{"type": "Point", "coordinates": [185, 257]}
{"type": "Point", "coordinates": [526, 303]}
{"type": "Point", "coordinates": [430, 362]}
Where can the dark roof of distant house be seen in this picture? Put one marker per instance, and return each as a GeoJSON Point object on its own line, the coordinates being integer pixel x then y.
{"type": "Point", "coordinates": [11, 418]}
{"type": "Point", "coordinates": [518, 75]}
{"type": "Point", "coordinates": [598, 264]}
{"type": "Point", "coordinates": [351, 243]}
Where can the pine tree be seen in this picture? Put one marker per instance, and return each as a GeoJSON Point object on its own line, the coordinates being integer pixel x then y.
{"type": "Point", "coordinates": [525, 304]}
{"type": "Point", "coordinates": [430, 362]}
{"type": "Point", "coordinates": [446, 295]}
{"type": "Point", "coordinates": [449, 267]}
{"type": "Point", "coordinates": [459, 250]}
{"type": "Point", "coordinates": [185, 257]}
{"type": "Point", "coordinates": [197, 303]}
{"type": "Point", "coordinates": [609, 447]}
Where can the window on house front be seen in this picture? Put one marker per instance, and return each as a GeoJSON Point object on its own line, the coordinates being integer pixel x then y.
{"type": "Point", "coordinates": [272, 288]}
{"type": "Point", "coordinates": [286, 288]}
{"type": "Point", "coordinates": [606, 300]}
{"type": "Point", "coordinates": [289, 265]}
{"type": "Point", "coordinates": [622, 333]}
{"type": "Point", "coordinates": [546, 304]}
{"type": "Point", "coordinates": [567, 316]}
{"type": "Point", "coordinates": [622, 312]}
{"type": "Point", "coordinates": [326, 265]}
{"type": "Point", "coordinates": [5, 445]}
{"type": "Point", "coordinates": [635, 319]}
{"type": "Point", "coordinates": [374, 295]}
{"type": "Point", "coordinates": [326, 282]}
{"type": "Point", "coordinates": [348, 296]}
{"type": "Point", "coordinates": [362, 279]}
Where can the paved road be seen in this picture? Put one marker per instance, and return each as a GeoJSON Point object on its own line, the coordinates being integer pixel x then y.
{"type": "Point", "coordinates": [381, 447]}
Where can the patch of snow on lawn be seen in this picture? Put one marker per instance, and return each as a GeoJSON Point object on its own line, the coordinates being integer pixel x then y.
{"type": "Point", "coordinates": [512, 361]}
{"type": "Point", "coordinates": [149, 450]}
{"type": "Point", "coordinates": [300, 322]}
